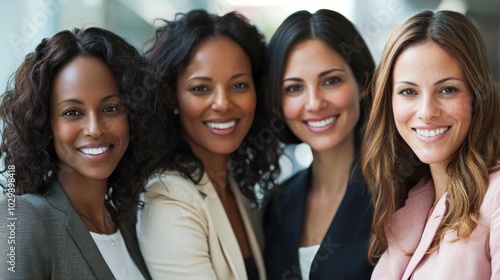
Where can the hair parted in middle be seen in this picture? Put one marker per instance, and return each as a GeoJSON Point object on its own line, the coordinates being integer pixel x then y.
{"type": "Point", "coordinates": [391, 168]}
{"type": "Point", "coordinates": [254, 164]}
{"type": "Point", "coordinates": [341, 35]}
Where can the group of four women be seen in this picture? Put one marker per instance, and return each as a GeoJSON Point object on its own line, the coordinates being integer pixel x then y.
{"type": "Point", "coordinates": [405, 163]}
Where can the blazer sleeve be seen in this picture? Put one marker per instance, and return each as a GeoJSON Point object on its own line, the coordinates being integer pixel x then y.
{"type": "Point", "coordinates": [495, 228]}
{"type": "Point", "coordinates": [21, 233]}
{"type": "Point", "coordinates": [173, 232]}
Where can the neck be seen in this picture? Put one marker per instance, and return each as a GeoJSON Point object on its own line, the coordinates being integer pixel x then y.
{"type": "Point", "coordinates": [331, 168]}
{"type": "Point", "coordinates": [87, 196]}
{"type": "Point", "coordinates": [215, 166]}
{"type": "Point", "coordinates": [440, 179]}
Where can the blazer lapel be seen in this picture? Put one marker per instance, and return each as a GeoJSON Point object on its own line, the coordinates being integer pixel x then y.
{"type": "Point", "coordinates": [243, 206]}
{"type": "Point", "coordinates": [130, 237]}
{"type": "Point", "coordinates": [227, 239]}
{"type": "Point", "coordinates": [57, 198]}
{"type": "Point", "coordinates": [408, 226]}
{"type": "Point", "coordinates": [427, 236]}
{"type": "Point", "coordinates": [293, 210]}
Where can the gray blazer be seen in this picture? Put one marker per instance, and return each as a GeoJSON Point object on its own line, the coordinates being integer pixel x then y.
{"type": "Point", "coordinates": [46, 239]}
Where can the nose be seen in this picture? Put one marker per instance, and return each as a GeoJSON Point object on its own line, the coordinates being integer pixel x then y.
{"type": "Point", "coordinates": [222, 101]}
{"type": "Point", "coordinates": [428, 107]}
{"type": "Point", "coordinates": [95, 126]}
{"type": "Point", "coordinates": [315, 100]}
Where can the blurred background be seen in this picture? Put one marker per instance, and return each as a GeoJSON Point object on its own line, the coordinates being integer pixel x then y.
{"type": "Point", "coordinates": [24, 23]}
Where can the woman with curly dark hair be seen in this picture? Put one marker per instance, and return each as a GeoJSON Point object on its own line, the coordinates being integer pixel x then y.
{"type": "Point", "coordinates": [198, 214]}
{"type": "Point", "coordinates": [80, 137]}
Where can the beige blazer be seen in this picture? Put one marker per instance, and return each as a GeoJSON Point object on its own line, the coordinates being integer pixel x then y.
{"type": "Point", "coordinates": [184, 232]}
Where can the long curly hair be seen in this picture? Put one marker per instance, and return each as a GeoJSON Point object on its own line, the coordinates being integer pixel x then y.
{"type": "Point", "coordinates": [254, 164]}
{"type": "Point", "coordinates": [27, 140]}
{"type": "Point", "coordinates": [336, 31]}
{"type": "Point", "coordinates": [391, 168]}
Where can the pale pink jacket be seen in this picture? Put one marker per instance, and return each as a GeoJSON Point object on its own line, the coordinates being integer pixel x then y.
{"type": "Point", "coordinates": [477, 257]}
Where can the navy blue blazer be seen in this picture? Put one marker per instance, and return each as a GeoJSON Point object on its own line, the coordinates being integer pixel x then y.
{"type": "Point", "coordinates": [343, 253]}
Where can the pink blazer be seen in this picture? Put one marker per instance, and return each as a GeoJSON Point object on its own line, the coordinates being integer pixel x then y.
{"type": "Point", "coordinates": [477, 257]}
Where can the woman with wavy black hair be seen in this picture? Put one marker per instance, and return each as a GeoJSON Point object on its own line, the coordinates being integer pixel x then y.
{"type": "Point", "coordinates": [317, 224]}
{"type": "Point", "coordinates": [80, 137]}
{"type": "Point", "coordinates": [196, 222]}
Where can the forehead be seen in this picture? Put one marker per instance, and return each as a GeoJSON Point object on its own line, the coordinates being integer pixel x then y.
{"type": "Point", "coordinates": [82, 76]}
{"type": "Point", "coordinates": [426, 61]}
{"type": "Point", "coordinates": [214, 48]}
{"type": "Point", "coordinates": [311, 56]}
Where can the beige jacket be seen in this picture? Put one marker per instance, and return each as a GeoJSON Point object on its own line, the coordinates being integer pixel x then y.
{"type": "Point", "coordinates": [184, 232]}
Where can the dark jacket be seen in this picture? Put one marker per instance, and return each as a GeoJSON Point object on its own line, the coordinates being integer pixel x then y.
{"type": "Point", "coordinates": [343, 253]}
{"type": "Point", "coordinates": [52, 242]}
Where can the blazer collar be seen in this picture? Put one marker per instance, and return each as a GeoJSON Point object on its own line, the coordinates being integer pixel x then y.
{"type": "Point", "coordinates": [243, 206]}
{"type": "Point", "coordinates": [428, 235]}
{"type": "Point", "coordinates": [295, 197]}
{"type": "Point", "coordinates": [411, 233]}
{"type": "Point", "coordinates": [58, 199]}
{"type": "Point", "coordinates": [227, 238]}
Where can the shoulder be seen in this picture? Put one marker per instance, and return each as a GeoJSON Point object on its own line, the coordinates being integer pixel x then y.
{"type": "Point", "coordinates": [297, 182]}
{"type": "Point", "coordinates": [492, 196]}
{"type": "Point", "coordinates": [288, 192]}
{"type": "Point", "coordinates": [29, 207]}
{"type": "Point", "coordinates": [171, 187]}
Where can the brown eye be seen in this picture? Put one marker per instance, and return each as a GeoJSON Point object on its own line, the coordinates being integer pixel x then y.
{"type": "Point", "coordinates": [71, 113]}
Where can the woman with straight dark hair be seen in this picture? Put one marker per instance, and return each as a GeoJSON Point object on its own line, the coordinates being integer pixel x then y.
{"type": "Point", "coordinates": [431, 153]}
{"type": "Point", "coordinates": [200, 219]}
{"type": "Point", "coordinates": [80, 138]}
{"type": "Point", "coordinates": [317, 224]}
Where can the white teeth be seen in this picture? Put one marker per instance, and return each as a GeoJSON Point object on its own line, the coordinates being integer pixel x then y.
{"type": "Point", "coordinates": [322, 123]}
{"type": "Point", "coordinates": [431, 133]}
{"type": "Point", "coordinates": [221, 125]}
{"type": "Point", "coordinates": [94, 151]}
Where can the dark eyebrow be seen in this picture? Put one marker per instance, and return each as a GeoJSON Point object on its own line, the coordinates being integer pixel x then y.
{"type": "Point", "coordinates": [406, 82]}
{"type": "Point", "coordinates": [235, 76]}
{"type": "Point", "coordinates": [322, 74]}
{"type": "Point", "coordinates": [201, 78]}
{"type": "Point", "coordinates": [78, 101]}
{"type": "Point", "coordinates": [436, 83]}
{"type": "Point", "coordinates": [447, 79]}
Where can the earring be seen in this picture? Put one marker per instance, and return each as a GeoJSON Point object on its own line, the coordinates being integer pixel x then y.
{"type": "Point", "coordinates": [176, 111]}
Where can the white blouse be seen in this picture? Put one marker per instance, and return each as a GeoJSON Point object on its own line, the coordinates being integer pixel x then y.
{"type": "Point", "coordinates": [114, 251]}
{"type": "Point", "coordinates": [306, 257]}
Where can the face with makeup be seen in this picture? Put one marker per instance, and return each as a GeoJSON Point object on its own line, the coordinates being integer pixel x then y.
{"type": "Point", "coordinates": [431, 101]}
{"type": "Point", "coordinates": [320, 96]}
{"type": "Point", "coordinates": [216, 97]}
{"type": "Point", "coordinates": [88, 118]}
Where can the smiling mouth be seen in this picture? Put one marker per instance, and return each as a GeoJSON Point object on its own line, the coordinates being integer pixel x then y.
{"type": "Point", "coordinates": [94, 151]}
{"type": "Point", "coordinates": [322, 123]}
{"type": "Point", "coordinates": [431, 133]}
{"type": "Point", "coordinates": [221, 126]}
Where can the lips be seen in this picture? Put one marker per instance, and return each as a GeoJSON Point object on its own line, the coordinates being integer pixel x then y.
{"type": "Point", "coordinates": [427, 133]}
{"type": "Point", "coordinates": [321, 123]}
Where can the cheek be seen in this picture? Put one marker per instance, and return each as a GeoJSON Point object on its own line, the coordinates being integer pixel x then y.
{"type": "Point", "coordinates": [63, 133]}
{"type": "Point", "coordinates": [291, 107]}
{"type": "Point", "coordinates": [348, 98]}
{"type": "Point", "coordinates": [121, 128]}
{"type": "Point", "coordinates": [399, 110]}
{"type": "Point", "coordinates": [248, 103]}
{"type": "Point", "coordinates": [189, 109]}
